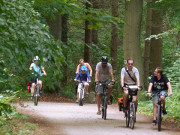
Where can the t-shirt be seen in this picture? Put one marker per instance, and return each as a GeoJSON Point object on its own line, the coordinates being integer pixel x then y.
{"type": "Point", "coordinates": [134, 74]}
{"type": "Point", "coordinates": [37, 69]}
{"type": "Point", "coordinates": [103, 75]}
{"type": "Point", "coordinates": [159, 84]}
{"type": "Point", "coordinates": [83, 77]}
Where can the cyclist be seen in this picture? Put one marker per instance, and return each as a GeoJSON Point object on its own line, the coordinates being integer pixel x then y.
{"type": "Point", "coordinates": [89, 69]}
{"type": "Point", "coordinates": [159, 84]}
{"type": "Point", "coordinates": [38, 71]}
{"type": "Point", "coordinates": [103, 74]}
{"type": "Point", "coordinates": [83, 76]}
{"type": "Point", "coordinates": [82, 63]}
{"type": "Point", "coordinates": [129, 76]}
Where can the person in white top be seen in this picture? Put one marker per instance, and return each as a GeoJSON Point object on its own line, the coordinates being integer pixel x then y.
{"type": "Point", "coordinates": [129, 76]}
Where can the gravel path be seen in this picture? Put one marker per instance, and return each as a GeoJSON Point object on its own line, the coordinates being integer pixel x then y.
{"type": "Point", "coordinates": [72, 119]}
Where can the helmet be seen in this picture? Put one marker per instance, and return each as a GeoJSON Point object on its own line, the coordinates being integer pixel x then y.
{"type": "Point", "coordinates": [36, 58]}
{"type": "Point", "coordinates": [104, 59]}
{"type": "Point", "coordinates": [83, 68]}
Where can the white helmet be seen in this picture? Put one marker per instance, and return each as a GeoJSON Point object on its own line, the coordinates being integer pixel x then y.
{"type": "Point", "coordinates": [36, 58]}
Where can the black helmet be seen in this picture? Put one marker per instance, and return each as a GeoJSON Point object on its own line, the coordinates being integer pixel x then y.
{"type": "Point", "coordinates": [104, 59]}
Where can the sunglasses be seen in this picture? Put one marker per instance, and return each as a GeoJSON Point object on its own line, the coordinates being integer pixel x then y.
{"type": "Point", "coordinates": [130, 64]}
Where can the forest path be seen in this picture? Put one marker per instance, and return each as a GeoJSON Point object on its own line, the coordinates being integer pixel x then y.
{"type": "Point", "coordinates": [72, 119]}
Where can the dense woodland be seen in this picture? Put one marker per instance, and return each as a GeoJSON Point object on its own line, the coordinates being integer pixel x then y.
{"type": "Point", "coordinates": [61, 32]}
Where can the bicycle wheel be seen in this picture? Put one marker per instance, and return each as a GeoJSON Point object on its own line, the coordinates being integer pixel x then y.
{"type": "Point", "coordinates": [132, 115]}
{"type": "Point", "coordinates": [80, 98]}
{"type": "Point", "coordinates": [35, 100]}
{"type": "Point", "coordinates": [105, 108]}
{"type": "Point", "coordinates": [127, 118]}
{"type": "Point", "coordinates": [159, 117]}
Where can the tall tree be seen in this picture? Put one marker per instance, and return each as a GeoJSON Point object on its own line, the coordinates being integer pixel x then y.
{"type": "Point", "coordinates": [88, 38]}
{"type": "Point", "coordinates": [55, 26]}
{"type": "Point", "coordinates": [131, 37]}
{"type": "Point", "coordinates": [147, 44]}
{"type": "Point", "coordinates": [64, 39]}
{"type": "Point", "coordinates": [156, 44]}
{"type": "Point", "coordinates": [114, 35]}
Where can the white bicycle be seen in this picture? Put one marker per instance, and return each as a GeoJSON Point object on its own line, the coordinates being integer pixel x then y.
{"type": "Point", "coordinates": [81, 91]}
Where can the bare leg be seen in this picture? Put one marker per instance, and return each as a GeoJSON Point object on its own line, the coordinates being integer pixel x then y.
{"type": "Point", "coordinates": [125, 96]}
{"type": "Point", "coordinates": [109, 92]}
{"type": "Point", "coordinates": [98, 101]}
{"type": "Point", "coordinates": [163, 100]}
{"type": "Point", "coordinates": [32, 89]}
{"type": "Point", "coordinates": [154, 111]}
{"type": "Point", "coordinates": [86, 88]}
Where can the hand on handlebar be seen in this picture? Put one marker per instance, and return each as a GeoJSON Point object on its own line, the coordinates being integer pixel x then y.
{"type": "Point", "coordinates": [169, 94]}
{"type": "Point", "coordinates": [149, 94]}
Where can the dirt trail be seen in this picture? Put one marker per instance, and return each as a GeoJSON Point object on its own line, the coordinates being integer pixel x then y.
{"type": "Point", "coordinates": [71, 119]}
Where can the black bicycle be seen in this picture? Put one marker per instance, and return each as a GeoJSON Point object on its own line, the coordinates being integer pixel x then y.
{"type": "Point", "coordinates": [159, 113]}
{"type": "Point", "coordinates": [36, 93]}
{"type": "Point", "coordinates": [130, 114]}
{"type": "Point", "coordinates": [104, 99]}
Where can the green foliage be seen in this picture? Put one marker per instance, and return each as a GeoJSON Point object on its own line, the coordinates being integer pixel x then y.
{"type": "Point", "coordinates": [23, 37]}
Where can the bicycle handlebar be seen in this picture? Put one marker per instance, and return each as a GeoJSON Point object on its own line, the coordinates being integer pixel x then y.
{"type": "Point", "coordinates": [111, 83]}
{"type": "Point", "coordinates": [152, 95]}
{"type": "Point", "coordinates": [133, 87]}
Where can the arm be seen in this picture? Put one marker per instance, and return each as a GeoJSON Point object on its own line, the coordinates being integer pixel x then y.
{"type": "Point", "coordinates": [77, 76]}
{"type": "Point", "coordinates": [90, 69]}
{"type": "Point", "coordinates": [30, 68]}
{"type": "Point", "coordinates": [77, 69]}
{"type": "Point", "coordinates": [170, 89]}
{"type": "Point", "coordinates": [44, 72]}
{"type": "Point", "coordinates": [112, 76]}
{"type": "Point", "coordinates": [149, 89]}
{"type": "Point", "coordinates": [96, 76]}
{"type": "Point", "coordinates": [89, 79]}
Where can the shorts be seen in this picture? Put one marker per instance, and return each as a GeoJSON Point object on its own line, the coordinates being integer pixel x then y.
{"type": "Point", "coordinates": [156, 97]}
{"type": "Point", "coordinates": [99, 88]}
{"type": "Point", "coordinates": [80, 85]}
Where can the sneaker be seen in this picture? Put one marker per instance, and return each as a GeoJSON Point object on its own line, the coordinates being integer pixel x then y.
{"type": "Point", "coordinates": [154, 122]}
{"type": "Point", "coordinates": [109, 102]}
{"type": "Point", "coordinates": [31, 97]}
{"type": "Point", "coordinates": [40, 92]}
{"type": "Point", "coordinates": [164, 112]}
{"type": "Point", "coordinates": [87, 93]}
{"type": "Point", "coordinates": [125, 110]}
{"type": "Point", "coordinates": [77, 101]}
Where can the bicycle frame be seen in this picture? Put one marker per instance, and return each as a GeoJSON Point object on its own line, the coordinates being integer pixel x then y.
{"type": "Point", "coordinates": [81, 91]}
{"type": "Point", "coordinates": [104, 100]}
{"type": "Point", "coordinates": [159, 112]}
{"type": "Point", "coordinates": [131, 112]}
{"type": "Point", "coordinates": [36, 93]}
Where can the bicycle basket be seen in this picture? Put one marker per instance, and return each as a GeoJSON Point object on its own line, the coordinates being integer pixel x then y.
{"type": "Point", "coordinates": [133, 90]}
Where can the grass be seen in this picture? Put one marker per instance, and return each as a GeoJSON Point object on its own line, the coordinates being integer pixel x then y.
{"type": "Point", "coordinates": [146, 107]}
{"type": "Point", "coordinates": [19, 124]}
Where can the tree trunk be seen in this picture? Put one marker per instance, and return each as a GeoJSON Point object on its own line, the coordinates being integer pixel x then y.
{"type": "Point", "coordinates": [64, 38]}
{"type": "Point", "coordinates": [131, 37]}
{"type": "Point", "coordinates": [55, 27]}
{"type": "Point", "coordinates": [147, 46]}
{"type": "Point", "coordinates": [88, 40]}
{"type": "Point", "coordinates": [94, 31]}
{"type": "Point", "coordinates": [156, 44]}
{"type": "Point", "coordinates": [114, 35]}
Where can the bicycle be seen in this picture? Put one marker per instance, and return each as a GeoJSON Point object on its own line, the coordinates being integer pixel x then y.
{"type": "Point", "coordinates": [104, 99]}
{"type": "Point", "coordinates": [81, 91]}
{"type": "Point", "coordinates": [130, 114]}
{"type": "Point", "coordinates": [36, 93]}
{"type": "Point", "coordinates": [159, 113]}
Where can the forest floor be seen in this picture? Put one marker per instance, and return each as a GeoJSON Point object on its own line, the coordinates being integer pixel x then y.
{"type": "Point", "coordinates": [61, 116]}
